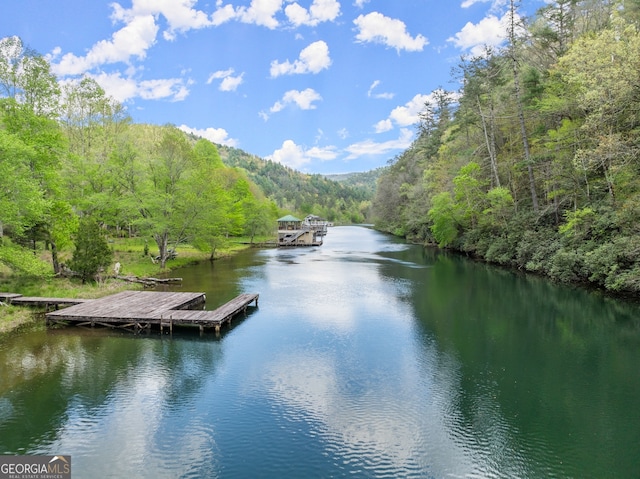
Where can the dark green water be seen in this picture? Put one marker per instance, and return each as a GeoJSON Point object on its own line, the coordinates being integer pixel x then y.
{"type": "Point", "coordinates": [365, 358]}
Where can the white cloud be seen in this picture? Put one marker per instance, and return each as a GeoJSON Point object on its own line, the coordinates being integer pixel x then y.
{"type": "Point", "coordinates": [303, 99]}
{"type": "Point", "coordinates": [260, 12]}
{"type": "Point", "coordinates": [179, 14]}
{"type": "Point", "coordinates": [138, 34]}
{"type": "Point", "coordinates": [377, 28]}
{"type": "Point", "coordinates": [312, 59]}
{"type": "Point", "coordinates": [229, 82]}
{"type": "Point", "coordinates": [405, 115]}
{"type": "Point", "coordinates": [114, 85]}
{"type": "Point", "coordinates": [360, 3]}
{"type": "Point", "coordinates": [373, 148]}
{"type": "Point", "coordinates": [490, 31]}
{"type": "Point", "coordinates": [468, 3]}
{"type": "Point", "coordinates": [133, 40]}
{"type": "Point", "coordinates": [295, 156]}
{"type": "Point", "coordinates": [125, 88]}
{"type": "Point", "coordinates": [223, 15]}
{"type": "Point", "coordinates": [323, 154]}
{"type": "Point", "coordinates": [409, 113]}
{"type": "Point", "coordinates": [173, 88]}
{"type": "Point", "coordinates": [320, 11]}
{"type": "Point", "coordinates": [384, 96]}
{"type": "Point", "coordinates": [215, 135]}
{"type": "Point", "coordinates": [290, 155]}
{"type": "Point", "coordinates": [383, 125]}
{"type": "Point", "coordinates": [220, 74]}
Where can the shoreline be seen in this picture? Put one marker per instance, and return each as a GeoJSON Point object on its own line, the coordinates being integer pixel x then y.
{"type": "Point", "coordinates": [13, 318]}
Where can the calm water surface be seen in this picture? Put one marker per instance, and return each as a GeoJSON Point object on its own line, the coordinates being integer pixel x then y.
{"type": "Point", "coordinates": [365, 358]}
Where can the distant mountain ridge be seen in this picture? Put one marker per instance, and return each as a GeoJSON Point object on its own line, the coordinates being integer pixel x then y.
{"type": "Point", "coordinates": [338, 198]}
{"type": "Point", "coordinates": [367, 179]}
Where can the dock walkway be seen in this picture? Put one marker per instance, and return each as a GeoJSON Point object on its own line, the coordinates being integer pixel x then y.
{"type": "Point", "coordinates": [18, 299]}
{"type": "Point", "coordinates": [139, 310]}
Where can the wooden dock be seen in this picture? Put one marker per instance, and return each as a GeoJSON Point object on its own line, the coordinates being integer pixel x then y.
{"type": "Point", "coordinates": [139, 310]}
{"type": "Point", "coordinates": [47, 303]}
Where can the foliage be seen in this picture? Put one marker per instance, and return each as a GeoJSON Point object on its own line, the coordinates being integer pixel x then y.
{"type": "Point", "coordinates": [538, 166]}
{"type": "Point", "coordinates": [443, 216]}
{"type": "Point", "coordinates": [23, 261]}
{"type": "Point", "coordinates": [301, 193]}
{"type": "Point", "coordinates": [92, 253]}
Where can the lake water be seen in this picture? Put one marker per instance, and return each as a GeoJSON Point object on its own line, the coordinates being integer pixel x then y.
{"type": "Point", "coordinates": [366, 357]}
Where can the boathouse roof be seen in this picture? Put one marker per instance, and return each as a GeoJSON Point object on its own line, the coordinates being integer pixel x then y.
{"type": "Point", "coordinates": [288, 218]}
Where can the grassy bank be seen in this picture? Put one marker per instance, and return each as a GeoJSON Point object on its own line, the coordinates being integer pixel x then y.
{"type": "Point", "coordinates": [131, 253]}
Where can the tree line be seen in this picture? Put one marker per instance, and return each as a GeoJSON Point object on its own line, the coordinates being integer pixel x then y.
{"type": "Point", "coordinates": [71, 158]}
{"type": "Point", "coordinates": [292, 190]}
{"type": "Point", "coordinates": [534, 162]}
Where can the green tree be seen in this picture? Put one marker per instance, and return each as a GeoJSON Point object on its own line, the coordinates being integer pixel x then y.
{"type": "Point", "coordinates": [21, 201]}
{"type": "Point", "coordinates": [92, 252]}
{"type": "Point", "coordinates": [26, 77]}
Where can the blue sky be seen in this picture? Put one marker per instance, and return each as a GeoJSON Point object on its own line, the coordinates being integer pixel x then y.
{"type": "Point", "coordinates": [322, 86]}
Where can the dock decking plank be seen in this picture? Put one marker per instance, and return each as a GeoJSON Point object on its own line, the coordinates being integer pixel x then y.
{"type": "Point", "coordinates": [148, 307]}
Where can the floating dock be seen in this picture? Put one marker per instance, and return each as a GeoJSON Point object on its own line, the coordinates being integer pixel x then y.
{"type": "Point", "coordinates": [139, 310]}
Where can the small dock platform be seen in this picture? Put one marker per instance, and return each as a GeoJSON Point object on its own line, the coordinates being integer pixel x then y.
{"type": "Point", "coordinates": [140, 310]}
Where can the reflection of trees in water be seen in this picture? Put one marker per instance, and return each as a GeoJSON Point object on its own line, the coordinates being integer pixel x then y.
{"type": "Point", "coordinates": [553, 367]}
{"type": "Point", "coordinates": [47, 376]}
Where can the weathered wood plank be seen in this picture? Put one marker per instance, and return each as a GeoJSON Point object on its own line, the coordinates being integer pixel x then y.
{"type": "Point", "coordinates": [159, 308]}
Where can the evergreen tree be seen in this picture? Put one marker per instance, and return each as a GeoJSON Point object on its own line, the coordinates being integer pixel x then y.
{"type": "Point", "coordinates": [92, 251]}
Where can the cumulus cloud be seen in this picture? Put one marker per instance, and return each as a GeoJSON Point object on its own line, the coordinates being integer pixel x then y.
{"type": "Point", "coordinates": [375, 148]}
{"type": "Point", "coordinates": [296, 156]}
{"type": "Point", "coordinates": [136, 37]}
{"type": "Point", "coordinates": [302, 99]}
{"type": "Point", "coordinates": [179, 14]}
{"type": "Point", "coordinates": [409, 113]}
{"type": "Point", "coordinates": [261, 12]}
{"type": "Point", "coordinates": [377, 28]}
{"type": "Point", "coordinates": [360, 3]}
{"type": "Point", "coordinates": [490, 31]}
{"type": "Point", "coordinates": [223, 14]}
{"type": "Point", "coordinates": [383, 125]}
{"type": "Point", "coordinates": [229, 81]}
{"type": "Point", "coordinates": [125, 88]}
{"type": "Point", "coordinates": [172, 88]}
{"type": "Point", "coordinates": [319, 11]}
{"type": "Point", "coordinates": [133, 40]}
{"type": "Point", "coordinates": [404, 115]}
{"type": "Point", "coordinates": [312, 59]}
{"type": "Point", "coordinates": [215, 135]}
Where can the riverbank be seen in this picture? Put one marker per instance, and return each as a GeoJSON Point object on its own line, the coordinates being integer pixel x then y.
{"type": "Point", "coordinates": [134, 259]}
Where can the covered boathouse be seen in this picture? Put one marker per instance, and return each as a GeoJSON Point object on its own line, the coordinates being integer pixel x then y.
{"type": "Point", "coordinates": [296, 232]}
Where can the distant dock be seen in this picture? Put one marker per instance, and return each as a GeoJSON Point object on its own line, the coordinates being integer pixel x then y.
{"type": "Point", "coordinates": [139, 310]}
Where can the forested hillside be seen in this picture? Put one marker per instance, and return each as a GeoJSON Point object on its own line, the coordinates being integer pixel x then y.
{"type": "Point", "coordinates": [302, 193]}
{"type": "Point", "coordinates": [535, 162]}
{"type": "Point", "coordinates": [366, 180]}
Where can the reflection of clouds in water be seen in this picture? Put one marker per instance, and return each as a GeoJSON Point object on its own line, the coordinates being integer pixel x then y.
{"type": "Point", "coordinates": [335, 296]}
{"type": "Point", "coordinates": [123, 434]}
{"type": "Point", "coordinates": [377, 427]}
